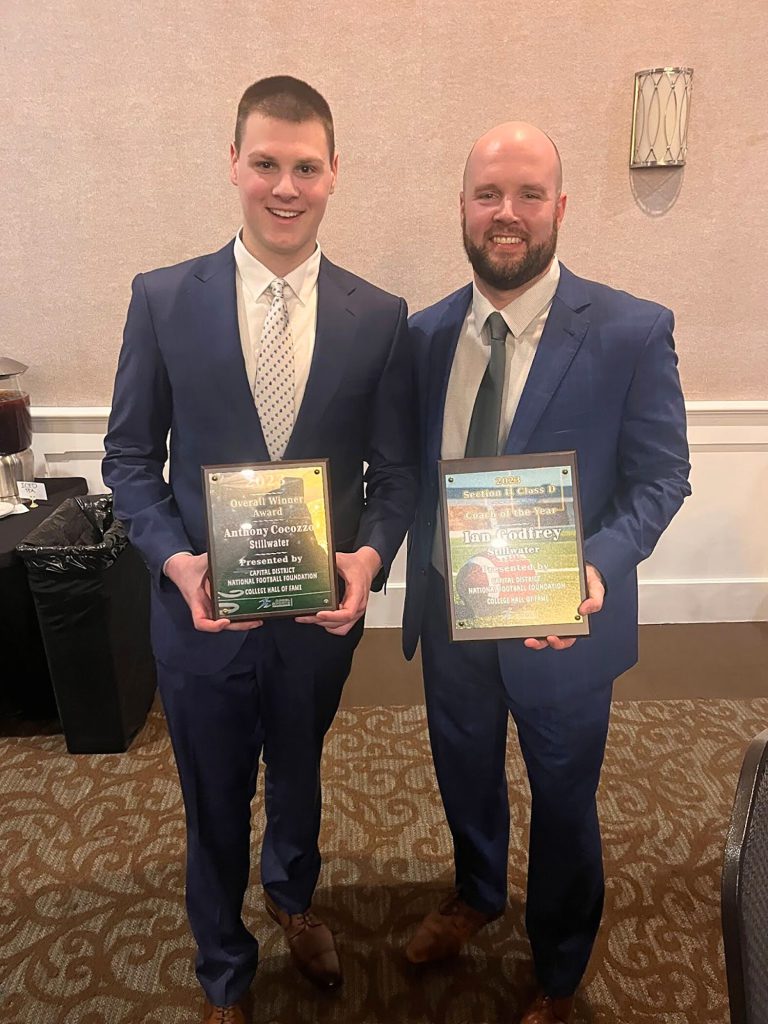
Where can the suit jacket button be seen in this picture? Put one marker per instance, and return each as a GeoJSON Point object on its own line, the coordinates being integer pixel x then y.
{"type": "Point", "coordinates": [429, 523]}
{"type": "Point", "coordinates": [423, 572]}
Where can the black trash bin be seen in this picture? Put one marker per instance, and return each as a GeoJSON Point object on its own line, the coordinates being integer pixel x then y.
{"type": "Point", "coordinates": [91, 591]}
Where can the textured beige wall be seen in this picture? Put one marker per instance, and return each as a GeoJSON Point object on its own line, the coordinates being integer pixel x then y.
{"type": "Point", "coordinates": [116, 118]}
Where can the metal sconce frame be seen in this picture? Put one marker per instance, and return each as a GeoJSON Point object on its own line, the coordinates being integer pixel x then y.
{"type": "Point", "coordinates": [660, 117]}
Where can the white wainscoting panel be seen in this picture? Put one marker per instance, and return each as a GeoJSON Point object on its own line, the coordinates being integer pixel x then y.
{"type": "Point", "coordinates": [710, 566]}
{"type": "Point", "coordinates": [70, 442]}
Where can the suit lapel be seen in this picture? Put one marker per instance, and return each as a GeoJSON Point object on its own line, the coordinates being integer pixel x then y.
{"type": "Point", "coordinates": [334, 340]}
{"type": "Point", "coordinates": [218, 336]}
{"type": "Point", "coordinates": [440, 360]}
{"type": "Point", "coordinates": [563, 334]}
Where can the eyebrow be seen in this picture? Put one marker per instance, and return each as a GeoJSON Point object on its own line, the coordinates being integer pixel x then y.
{"type": "Point", "coordinates": [525, 187]}
{"type": "Point", "coordinates": [263, 154]}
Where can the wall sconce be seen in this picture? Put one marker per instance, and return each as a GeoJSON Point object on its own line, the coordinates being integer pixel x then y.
{"type": "Point", "coordinates": [660, 117]}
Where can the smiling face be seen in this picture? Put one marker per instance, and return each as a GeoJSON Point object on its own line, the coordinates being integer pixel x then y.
{"type": "Point", "coordinates": [284, 174]}
{"type": "Point", "coordinates": [511, 209]}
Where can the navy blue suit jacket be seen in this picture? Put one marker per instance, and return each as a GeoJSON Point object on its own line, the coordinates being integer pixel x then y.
{"type": "Point", "coordinates": [181, 370]}
{"type": "Point", "coordinates": [604, 382]}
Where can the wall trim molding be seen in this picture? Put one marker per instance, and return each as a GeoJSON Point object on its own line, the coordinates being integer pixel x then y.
{"type": "Point", "coordinates": [742, 404]}
{"type": "Point", "coordinates": [712, 533]}
{"type": "Point", "coordinates": [659, 601]}
{"type": "Point", "coordinates": [703, 600]}
{"type": "Point", "coordinates": [71, 411]}
{"type": "Point", "coordinates": [700, 413]}
{"type": "Point", "coordinates": [70, 420]}
{"type": "Point", "coordinates": [727, 426]}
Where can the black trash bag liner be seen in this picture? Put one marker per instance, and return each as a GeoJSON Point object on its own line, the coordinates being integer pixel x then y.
{"type": "Point", "coordinates": [91, 594]}
{"type": "Point", "coordinates": [80, 536]}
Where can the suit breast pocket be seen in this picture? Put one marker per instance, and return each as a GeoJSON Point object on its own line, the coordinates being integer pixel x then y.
{"type": "Point", "coordinates": [570, 409]}
{"type": "Point", "coordinates": [563, 438]}
{"type": "Point", "coordinates": [556, 440]}
{"type": "Point", "coordinates": [564, 425]}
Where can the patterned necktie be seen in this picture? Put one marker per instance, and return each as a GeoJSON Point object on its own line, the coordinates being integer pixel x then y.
{"type": "Point", "coordinates": [483, 436]}
{"type": "Point", "coordinates": [274, 388]}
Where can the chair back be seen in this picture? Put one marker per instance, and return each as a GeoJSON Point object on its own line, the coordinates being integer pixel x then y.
{"type": "Point", "coordinates": [745, 890]}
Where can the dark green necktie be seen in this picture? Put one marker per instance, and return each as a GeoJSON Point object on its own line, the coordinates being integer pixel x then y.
{"type": "Point", "coordinates": [483, 436]}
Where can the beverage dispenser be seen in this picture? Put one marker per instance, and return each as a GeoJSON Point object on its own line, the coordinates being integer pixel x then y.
{"type": "Point", "coordinates": [16, 458]}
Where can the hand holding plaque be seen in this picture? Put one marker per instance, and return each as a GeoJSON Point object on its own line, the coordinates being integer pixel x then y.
{"type": "Point", "coordinates": [270, 542]}
{"type": "Point", "coordinates": [513, 547]}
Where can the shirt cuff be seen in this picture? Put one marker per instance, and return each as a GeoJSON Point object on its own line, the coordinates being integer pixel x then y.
{"type": "Point", "coordinates": [165, 563]}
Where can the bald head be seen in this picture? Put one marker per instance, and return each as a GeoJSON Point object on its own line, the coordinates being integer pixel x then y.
{"type": "Point", "coordinates": [512, 206]}
{"type": "Point", "coordinates": [516, 141]}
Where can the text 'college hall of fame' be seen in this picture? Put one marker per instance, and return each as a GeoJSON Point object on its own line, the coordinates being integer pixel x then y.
{"type": "Point", "coordinates": [513, 545]}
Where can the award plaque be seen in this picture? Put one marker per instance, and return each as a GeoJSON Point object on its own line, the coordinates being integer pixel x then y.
{"type": "Point", "coordinates": [513, 546]}
{"type": "Point", "coordinates": [270, 542]}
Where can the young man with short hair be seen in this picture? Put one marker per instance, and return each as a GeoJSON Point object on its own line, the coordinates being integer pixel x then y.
{"type": "Point", "coordinates": [199, 360]}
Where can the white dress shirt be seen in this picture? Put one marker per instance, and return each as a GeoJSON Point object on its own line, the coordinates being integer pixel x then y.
{"type": "Point", "coordinates": [526, 317]}
{"type": "Point", "coordinates": [252, 282]}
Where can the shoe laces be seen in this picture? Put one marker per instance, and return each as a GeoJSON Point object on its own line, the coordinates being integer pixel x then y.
{"type": "Point", "coordinates": [452, 905]}
{"type": "Point", "coordinates": [300, 922]}
{"type": "Point", "coordinates": [224, 1015]}
{"type": "Point", "coordinates": [307, 918]}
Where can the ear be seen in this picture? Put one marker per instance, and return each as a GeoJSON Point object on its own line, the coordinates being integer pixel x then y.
{"type": "Point", "coordinates": [334, 173]}
{"type": "Point", "coordinates": [233, 157]}
{"type": "Point", "coordinates": [562, 202]}
{"type": "Point", "coordinates": [461, 204]}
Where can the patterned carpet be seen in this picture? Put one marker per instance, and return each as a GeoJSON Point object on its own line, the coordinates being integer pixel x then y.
{"type": "Point", "coordinates": [92, 928]}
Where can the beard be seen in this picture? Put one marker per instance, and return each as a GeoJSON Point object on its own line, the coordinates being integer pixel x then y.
{"type": "Point", "coordinates": [507, 276]}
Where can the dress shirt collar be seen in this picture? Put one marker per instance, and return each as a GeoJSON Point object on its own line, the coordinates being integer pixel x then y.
{"type": "Point", "coordinates": [522, 311]}
{"type": "Point", "coordinates": [257, 278]}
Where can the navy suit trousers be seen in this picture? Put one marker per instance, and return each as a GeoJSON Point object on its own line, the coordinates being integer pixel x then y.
{"type": "Point", "coordinates": [220, 724]}
{"type": "Point", "coordinates": [562, 742]}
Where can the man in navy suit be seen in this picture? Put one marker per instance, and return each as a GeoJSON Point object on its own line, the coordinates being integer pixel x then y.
{"type": "Point", "coordinates": [262, 350]}
{"type": "Point", "coordinates": [578, 366]}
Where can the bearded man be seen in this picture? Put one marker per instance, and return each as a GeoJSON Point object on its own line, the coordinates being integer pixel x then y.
{"type": "Point", "coordinates": [547, 361]}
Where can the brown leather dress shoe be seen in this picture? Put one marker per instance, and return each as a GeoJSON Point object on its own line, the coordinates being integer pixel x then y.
{"type": "Point", "coordinates": [312, 945]}
{"type": "Point", "coordinates": [545, 1010]}
{"type": "Point", "coordinates": [240, 1012]}
{"type": "Point", "coordinates": [444, 932]}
